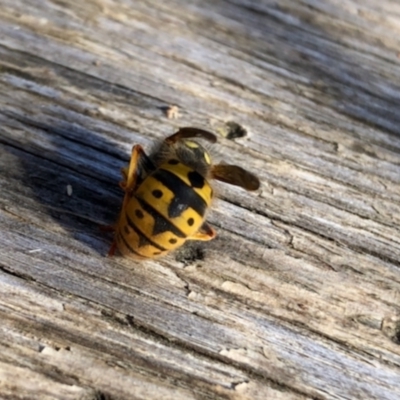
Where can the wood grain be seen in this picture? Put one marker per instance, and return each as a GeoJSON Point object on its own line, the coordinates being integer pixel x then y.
{"type": "Point", "coordinates": [298, 297]}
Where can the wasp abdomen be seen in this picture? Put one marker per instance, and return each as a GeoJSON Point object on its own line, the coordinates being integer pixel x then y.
{"type": "Point", "coordinates": [167, 208]}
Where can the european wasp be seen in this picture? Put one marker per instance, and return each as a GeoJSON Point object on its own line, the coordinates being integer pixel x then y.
{"type": "Point", "coordinates": [168, 193]}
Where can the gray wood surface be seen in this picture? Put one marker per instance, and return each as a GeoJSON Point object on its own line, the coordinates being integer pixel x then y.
{"type": "Point", "coordinates": [298, 297]}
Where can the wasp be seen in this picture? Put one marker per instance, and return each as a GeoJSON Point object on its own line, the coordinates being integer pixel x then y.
{"type": "Point", "coordinates": [168, 193]}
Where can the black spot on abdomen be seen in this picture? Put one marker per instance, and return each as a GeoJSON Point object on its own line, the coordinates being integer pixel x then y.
{"type": "Point", "coordinates": [157, 193]}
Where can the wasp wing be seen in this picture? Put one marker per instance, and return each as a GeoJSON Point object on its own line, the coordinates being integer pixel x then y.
{"type": "Point", "coordinates": [235, 175]}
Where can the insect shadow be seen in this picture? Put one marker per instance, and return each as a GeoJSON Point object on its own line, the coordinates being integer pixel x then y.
{"type": "Point", "coordinates": [70, 154]}
{"type": "Point", "coordinates": [73, 174]}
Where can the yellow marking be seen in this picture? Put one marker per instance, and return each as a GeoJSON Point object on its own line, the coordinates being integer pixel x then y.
{"type": "Point", "coordinates": [190, 144]}
{"type": "Point", "coordinates": [181, 171]}
{"type": "Point", "coordinates": [207, 158]}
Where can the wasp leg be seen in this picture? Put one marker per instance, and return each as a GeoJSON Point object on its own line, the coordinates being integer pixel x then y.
{"type": "Point", "coordinates": [107, 228]}
{"type": "Point", "coordinates": [128, 184]}
{"type": "Point", "coordinates": [205, 233]}
{"type": "Point", "coordinates": [113, 247]}
{"type": "Point", "coordinates": [110, 228]}
{"type": "Point", "coordinates": [235, 175]}
{"type": "Point", "coordinates": [188, 132]}
{"type": "Point", "coordinates": [124, 173]}
{"type": "Point", "coordinates": [130, 173]}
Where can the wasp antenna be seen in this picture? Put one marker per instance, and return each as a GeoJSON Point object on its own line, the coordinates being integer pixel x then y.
{"type": "Point", "coordinates": [188, 132]}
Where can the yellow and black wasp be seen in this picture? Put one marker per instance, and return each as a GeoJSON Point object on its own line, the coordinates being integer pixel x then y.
{"type": "Point", "coordinates": [168, 193]}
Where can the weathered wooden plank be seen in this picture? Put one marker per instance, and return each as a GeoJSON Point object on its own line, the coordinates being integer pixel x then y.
{"type": "Point", "coordinates": [298, 296]}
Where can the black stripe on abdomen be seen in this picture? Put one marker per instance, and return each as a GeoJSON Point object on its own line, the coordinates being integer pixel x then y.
{"type": "Point", "coordinates": [143, 239]}
{"type": "Point", "coordinates": [120, 237]}
{"type": "Point", "coordinates": [184, 195]}
{"type": "Point", "coordinates": [161, 224]}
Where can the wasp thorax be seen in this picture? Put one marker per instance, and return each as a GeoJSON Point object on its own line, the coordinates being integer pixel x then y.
{"type": "Point", "coordinates": [194, 155]}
